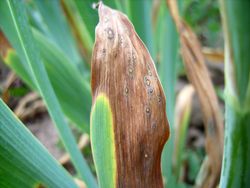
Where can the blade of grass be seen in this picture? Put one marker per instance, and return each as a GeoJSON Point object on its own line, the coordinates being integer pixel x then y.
{"type": "Point", "coordinates": [19, 20]}
{"type": "Point", "coordinates": [115, 4]}
{"type": "Point", "coordinates": [65, 78]}
{"type": "Point", "coordinates": [88, 15]}
{"type": "Point", "coordinates": [67, 82]}
{"type": "Point", "coordinates": [80, 27]}
{"type": "Point", "coordinates": [236, 165]}
{"type": "Point", "coordinates": [24, 162]}
{"type": "Point", "coordinates": [59, 69]}
{"type": "Point", "coordinates": [58, 30]}
{"type": "Point", "coordinates": [9, 31]}
{"type": "Point", "coordinates": [140, 15]}
{"type": "Point", "coordinates": [167, 73]}
{"type": "Point", "coordinates": [102, 142]}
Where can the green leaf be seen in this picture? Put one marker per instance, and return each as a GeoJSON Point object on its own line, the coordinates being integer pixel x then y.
{"type": "Point", "coordinates": [79, 25]}
{"type": "Point", "coordinates": [115, 4]}
{"type": "Point", "coordinates": [102, 141]}
{"type": "Point", "coordinates": [238, 27]}
{"type": "Point", "coordinates": [24, 162]}
{"type": "Point", "coordinates": [14, 62]}
{"type": "Point", "coordinates": [65, 79]}
{"type": "Point", "coordinates": [140, 15]}
{"type": "Point", "coordinates": [67, 82]}
{"type": "Point", "coordinates": [30, 52]}
{"type": "Point", "coordinates": [60, 32]}
{"type": "Point", "coordinates": [167, 73]}
{"type": "Point", "coordinates": [88, 15]}
{"type": "Point", "coordinates": [10, 32]}
{"type": "Point", "coordinates": [236, 165]}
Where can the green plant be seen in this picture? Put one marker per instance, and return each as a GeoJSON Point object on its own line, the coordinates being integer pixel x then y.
{"type": "Point", "coordinates": [235, 171]}
{"type": "Point", "coordinates": [35, 67]}
{"type": "Point", "coordinates": [24, 162]}
{"type": "Point", "coordinates": [51, 44]}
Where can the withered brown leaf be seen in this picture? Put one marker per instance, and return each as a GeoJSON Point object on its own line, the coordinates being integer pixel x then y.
{"type": "Point", "coordinates": [124, 71]}
{"type": "Point", "coordinates": [198, 75]}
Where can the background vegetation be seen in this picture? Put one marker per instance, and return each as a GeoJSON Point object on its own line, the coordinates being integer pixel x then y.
{"type": "Point", "coordinates": [46, 49]}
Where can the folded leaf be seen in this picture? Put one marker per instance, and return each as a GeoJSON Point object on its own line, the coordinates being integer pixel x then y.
{"type": "Point", "coordinates": [124, 72]}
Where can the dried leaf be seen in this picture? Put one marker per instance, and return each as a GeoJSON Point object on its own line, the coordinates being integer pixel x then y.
{"type": "Point", "coordinates": [199, 77]}
{"type": "Point", "coordinates": [29, 105]}
{"type": "Point", "coordinates": [213, 55]}
{"type": "Point", "coordinates": [123, 70]}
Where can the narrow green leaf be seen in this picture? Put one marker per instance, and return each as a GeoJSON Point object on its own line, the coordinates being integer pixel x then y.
{"type": "Point", "coordinates": [28, 48]}
{"type": "Point", "coordinates": [238, 27]}
{"type": "Point", "coordinates": [24, 162]}
{"type": "Point", "coordinates": [65, 79]}
{"type": "Point", "coordinates": [88, 15]}
{"type": "Point", "coordinates": [140, 15]}
{"type": "Point", "coordinates": [67, 82]}
{"type": "Point", "coordinates": [60, 32]}
{"type": "Point", "coordinates": [167, 73]}
{"type": "Point", "coordinates": [7, 26]}
{"type": "Point", "coordinates": [80, 26]}
{"type": "Point", "coordinates": [102, 141]}
{"type": "Point", "coordinates": [115, 4]}
{"type": "Point", "coordinates": [236, 165]}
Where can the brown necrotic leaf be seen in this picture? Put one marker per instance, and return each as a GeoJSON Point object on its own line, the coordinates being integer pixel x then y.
{"type": "Point", "coordinates": [124, 71]}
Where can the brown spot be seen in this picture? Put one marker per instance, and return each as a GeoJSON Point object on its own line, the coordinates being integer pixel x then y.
{"type": "Point", "coordinates": [153, 126]}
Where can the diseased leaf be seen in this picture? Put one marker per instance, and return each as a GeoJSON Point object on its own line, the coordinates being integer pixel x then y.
{"type": "Point", "coordinates": [124, 72]}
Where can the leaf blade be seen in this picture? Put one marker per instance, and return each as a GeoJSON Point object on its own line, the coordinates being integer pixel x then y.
{"type": "Point", "coordinates": [38, 71]}
{"type": "Point", "coordinates": [22, 154]}
{"type": "Point", "coordinates": [102, 141]}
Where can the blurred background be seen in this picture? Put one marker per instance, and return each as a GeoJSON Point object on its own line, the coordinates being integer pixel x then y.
{"type": "Point", "coordinates": [64, 32]}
